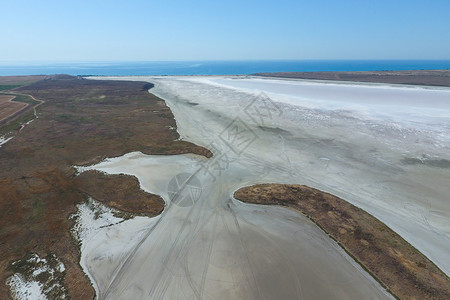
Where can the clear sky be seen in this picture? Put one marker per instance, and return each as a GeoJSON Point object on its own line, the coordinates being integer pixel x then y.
{"type": "Point", "coordinates": [147, 30]}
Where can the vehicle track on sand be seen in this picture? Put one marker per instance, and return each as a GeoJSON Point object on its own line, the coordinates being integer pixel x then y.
{"type": "Point", "coordinates": [132, 253]}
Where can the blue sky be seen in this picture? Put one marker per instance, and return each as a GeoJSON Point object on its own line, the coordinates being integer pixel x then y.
{"type": "Point", "coordinates": [138, 30]}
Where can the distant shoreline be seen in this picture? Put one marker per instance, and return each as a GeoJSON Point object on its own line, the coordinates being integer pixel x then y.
{"type": "Point", "coordinates": [436, 78]}
{"type": "Point", "coordinates": [412, 77]}
{"type": "Point", "coordinates": [217, 67]}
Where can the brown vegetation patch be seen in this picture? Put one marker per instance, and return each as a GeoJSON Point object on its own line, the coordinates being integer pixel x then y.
{"type": "Point", "coordinates": [400, 267]}
{"type": "Point", "coordinates": [80, 123]}
{"type": "Point", "coordinates": [121, 192]}
{"type": "Point", "coordinates": [9, 108]}
{"type": "Point", "coordinates": [414, 77]}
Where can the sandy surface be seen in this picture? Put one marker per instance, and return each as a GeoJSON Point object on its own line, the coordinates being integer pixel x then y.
{"type": "Point", "coordinates": [214, 247]}
{"type": "Point", "coordinates": [388, 157]}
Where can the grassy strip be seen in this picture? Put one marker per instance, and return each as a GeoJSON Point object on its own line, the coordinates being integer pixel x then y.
{"type": "Point", "coordinates": [21, 98]}
{"type": "Point", "coordinates": [16, 123]}
{"type": "Point", "coordinates": [7, 87]}
{"type": "Point", "coordinates": [391, 260]}
{"type": "Point", "coordinates": [12, 82]}
{"type": "Point", "coordinates": [25, 99]}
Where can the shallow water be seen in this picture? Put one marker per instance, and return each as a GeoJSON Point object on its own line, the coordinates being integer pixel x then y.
{"type": "Point", "coordinates": [207, 245]}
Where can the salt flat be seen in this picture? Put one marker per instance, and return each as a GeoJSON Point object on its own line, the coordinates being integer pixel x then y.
{"type": "Point", "coordinates": [382, 148]}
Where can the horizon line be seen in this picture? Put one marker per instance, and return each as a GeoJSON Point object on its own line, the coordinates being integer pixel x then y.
{"type": "Point", "coordinates": [21, 62]}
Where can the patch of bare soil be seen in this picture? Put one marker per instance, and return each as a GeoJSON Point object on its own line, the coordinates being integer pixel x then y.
{"type": "Point", "coordinates": [9, 108]}
{"type": "Point", "coordinates": [5, 98]}
{"type": "Point", "coordinates": [396, 264]}
{"type": "Point", "coordinates": [81, 122]}
{"type": "Point", "coordinates": [413, 77]}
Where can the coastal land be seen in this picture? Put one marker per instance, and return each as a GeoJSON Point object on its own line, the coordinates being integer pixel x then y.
{"type": "Point", "coordinates": [16, 108]}
{"type": "Point", "coordinates": [413, 77]}
{"type": "Point", "coordinates": [8, 107]}
{"type": "Point", "coordinates": [401, 268]}
{"type": "Point", "coordinates": [80, 122]}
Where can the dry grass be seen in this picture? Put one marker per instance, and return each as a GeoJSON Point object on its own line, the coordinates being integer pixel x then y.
{"type": "Point", "coordinates": [406, 272]}
{"type": "Point", "coordinates": [121, 192]}
{"type": "Point", "coordinates": [9, 108]}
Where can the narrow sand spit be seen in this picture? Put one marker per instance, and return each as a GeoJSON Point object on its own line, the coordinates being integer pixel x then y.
{"type": "Point", "coordinates": [390, 162]}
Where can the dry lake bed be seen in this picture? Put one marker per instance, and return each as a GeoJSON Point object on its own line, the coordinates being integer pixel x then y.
{"type": "Point", "coordinates": [383, 148]}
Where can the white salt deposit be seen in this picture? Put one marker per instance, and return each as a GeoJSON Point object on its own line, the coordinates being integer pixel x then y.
{"type": "Point", "coordinates": [4, 140]}
{"type": "Point", "coordinates": [28, 284]}
{"type": "Point", "coordinates": [25, 290]}
{"type": "Point", "coordinates": [105, 240]}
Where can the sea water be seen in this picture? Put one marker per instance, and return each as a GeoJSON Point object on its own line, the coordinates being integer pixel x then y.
{"type": "Point", "coordinates": [243, 67]}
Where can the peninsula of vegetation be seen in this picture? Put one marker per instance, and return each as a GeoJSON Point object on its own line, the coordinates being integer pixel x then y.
{"type": "Point", "coordinates": [396, 264]}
